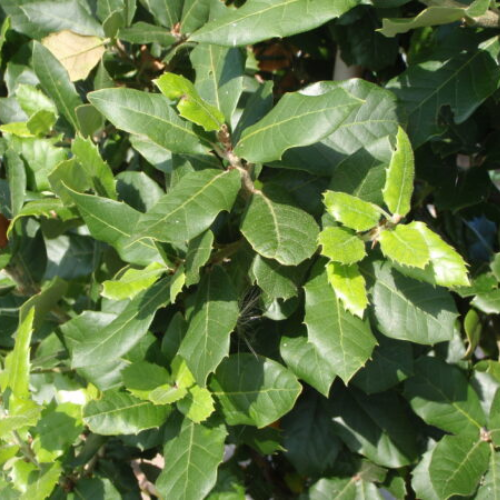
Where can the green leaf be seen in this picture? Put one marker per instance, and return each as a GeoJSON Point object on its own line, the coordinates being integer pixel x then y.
{"type": "Point", "coordinates": [494, 418]}
{"type": "Point", "coordinates": [214, 317]}
{"type": "Point", "coordinates": [56, 84]}
{"type": "Point", "coordinates": [219, 73]}
{"type": "Point", "coordinates": [490, 485]}
{"type": "Point", "coordinates": [189, 103]}
{"type": "Point", "coordinates": [197, 255]}
{"type": "Point", "coordinates": [198, 450]}
{"type": "Point", "coordinates": [306, 361]}
{"type": "Point", "coordinates": [473, 328]}
{"type": "Point", "coordinates": [257, 21]}
{"type": "Point", "coordinates": [23, 414]}
{"type": "Point", "coordinates": [434, 16]}
{"type": "Point", "coordinates": [421, 481]}
{"type": "Point", "coordinates": [120, 413]}
{"type": "Point", "coordinates": [400, 176]}
{"type": "Point", "coordinates": [411, 310]}
{"type": "Point", "coordinates": [95, 167]}
{"type": "Point", "coordinates": [149, 115]}
{"type": "Point", "coordinates": [120, 335]}
{"type": "Point", "coordinates": [344, 340]}
{"type": "Point", "coordinates": [32, 100]}
{"type": "Point", "coordinates": [462, 82]}
{"type": "Point", "coordinates": [351, 211]}
{"type": "Point", "coordinates": [114, 222]}
{"type": "Point", "coordinates": [254, 390]}
{"type": "Point", "coordinates": [391, 363]}
{"type": "Point", "coordinates": [17, 181]}
{"type": "Point", "coordinates": [195, 13]}
{"type": "Point", "coordinates": [78, 54]}
{"type": "Point", "coordinates": [341, 245]}
{"type": "Point", "coordinates": [457, 464]}
{"type": "Point", "coordinates": [309, 436]}
{"type": "Point", "coordinates": [142, 377]}
{"type": "Point", "coordinates": [132, 282]}
{"type": "Point", "coordinates": [52, 16]}
{"type": "Point", "coordinates": [198, 404]}
{"type": "Point", "coordinates": [276, 280]}
{"type": "Point", "coordinates": [142, 32]}
{"type": "Point", "coordinates": [441, 395]}
{"type": "Point", "coordinates": [278, 230]}
{"type": "Point", "coordinates": [166, 12]}
{"type": "Point", "coordinates": [405, 245]}
{"type": "Point", "coordinates": [488, 302]}
{"type": "Point", "coordinates": [191, 206]}
{"type": "Point", "coordinates": [42, 482]}
{"type": "Point", "coordinates": [177, 283]}
{"type": "Point", "coordinates": [41, 122]}
{"type": "Point", "coordinates": [298, 119]}
{"type": "Point", "coordinates": [447, 265]}
{"type": "Point", "coordinates": [374, 426]}
{"type": "Point", "coordinates": [17, 363]}
{"type": "Point", "coordinates": [349, 286]}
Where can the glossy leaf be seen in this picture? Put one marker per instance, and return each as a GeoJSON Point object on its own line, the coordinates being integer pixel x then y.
{"type": "Point", "coordinates": [298, 119]}
{"type": "Point", "coordinates": [214, 317]}
{"type": "Point", "coordinates": [410, 310]}
{"type": "Point", "coordinates": [191, 206]}
{"type": "Point", "coordinates": [343, 339]}
{"type": "Point", "coordinates": [189, 103]}
{"type": "Point", "coordinates": [264, 19]}
{"type": "Point", "coordinates": [149, 115]}
{"type": "Point", "coordinates": [351, 211]}
{"type": "Point", "coordinates": [341, 245]}
{"type": "Point", "coordinates": [441, 395]}
{"type": "Point", "coordinates": [405, 245]}
{"type": "Point", "coordinates": [254, 390]}
{"type": "Point", "coordinates": [198, 449]}
{"type": "Point", "coordinates": [400, 176]}
{"type": "Point", "coordinates": [278, 230]}
{"type": "Point", "coordinates": [120, 413]}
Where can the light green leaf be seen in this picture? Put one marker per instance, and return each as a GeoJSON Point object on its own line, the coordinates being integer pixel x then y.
{"type": "Point", "coordinates": [214, 317]}
{"type": "Point", "coordinates": [55, 82]}
{"type": "Point", "coordinates": [434, 15]}
{"type": "Point", "coordinates": [473, 328]}
{"type": "Point", "coordinates": [132, 282]}
{"type": "Point", "coordinates": [344, 340]}
{"type": "Point", "coordinates": [142, 377]}
{"type": "Point", "coordinates": [440, 394]}
{"type": "Point", "coordinates": [95, 167]}
{"type": "Point", "coordinates": [122, 334]}
{"type": "Point", "coordinates": [78, 54]}
{"type": "Point", "coordinates": [120, 413]}
{"type": "Point", "coordinates": [23, 413]}
{"type": "Point", "coordinates": [142, 32]}
{"type": "Point", "coordinates": [149, 115]}
{"type": "Point", "coordinates": [349, 286]}
{"type": "Point", "coordinates": [41, 123]}
{"type": "Point", "coordinates": [263, 19]}
{"type": "Point", "coordinates": [405, 245]}
{"type": "Point", "coordinates": [447, 265]}
{"type": "Point", "coordinates": [494, 413]}
{"type": "Point", "coordinates": [17, 363]}
{"type": "Point", "coordinates": [114, 222]}
{"type": "Point", "coordinates": [219, 73]}
{"type": "Point", "coordinates": [351, 211]}
{"type": "Point", "coordinates": [462, 82]}
{"type": "Point", "coordinates": [400, 176]}
{"type": "Point", "coordinates": [277, 230]}
{"type": "Point", "coordinates": [191, 206]}
{"type": "Point", "coordinates": [199, 450]}
{"type": "Point", "coordinates": [43, 482]}
{"type": "Point", "coordinates": [198, 253]}
{"type": "Point", "coordinates": [421, 481]}
{"type": "Point", "coordinates": [306, 361]}
{"type": "Point", "coordinates": [177, 283]}
{"type": "Point", "coordinates": [197, 405]}
{"type": "Point", "coordinates": [17, 181]}
{"type": "Point", "coordinates": [19, 129]}
{"type": "Point", "coordinates": [411, 310]}
{"type": "Point", "coordinates": [341, 245]}
{"type": "Point", "coordinates": [488, 302]}
{"type": "Point", "coordinates": [32, 100]}
{"type": "Point", "coordinates": [298, 119]}
{"type": "Point", "coordinates": [190, 105]}
{"type": "Point", "coordinates": [457, 464]}
{"type": "Point", "coordinates": [253, 390]}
